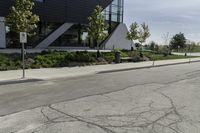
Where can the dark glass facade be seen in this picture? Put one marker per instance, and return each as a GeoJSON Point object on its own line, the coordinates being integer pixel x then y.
{"type": "Point", "coordinates": [44, 29]}
{"type": "Point", "coordinates": [53, 17]}
{"type": "Point", "coordinates": [114, 12]}
{"type": "Point", "coordinates": [77, 35]}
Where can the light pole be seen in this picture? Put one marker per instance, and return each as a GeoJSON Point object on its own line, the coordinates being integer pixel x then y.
{"type": "Point", "coordinates": [153, 61]}
{"type": "Point", "coordinates": [154, 47]}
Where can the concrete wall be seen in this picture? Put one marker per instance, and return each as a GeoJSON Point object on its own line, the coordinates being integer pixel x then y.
{"type": "Point", "coordinates": [118, 39]}
{"type": "Point", "coordinates": [2, 33]}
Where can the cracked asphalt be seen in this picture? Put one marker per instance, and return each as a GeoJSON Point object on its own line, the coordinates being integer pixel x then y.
{"type": "Point", "coordinates": [156, 100]}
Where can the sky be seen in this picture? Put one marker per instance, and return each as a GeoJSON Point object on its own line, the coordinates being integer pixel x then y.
{"type": "Point", "coordinates": [165, 16]}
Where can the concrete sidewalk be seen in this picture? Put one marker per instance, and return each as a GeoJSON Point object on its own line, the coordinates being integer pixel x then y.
{"type": "Point", "coordinates": [189, 54]}
{"type": "Point", "coordinates": [66, 72]}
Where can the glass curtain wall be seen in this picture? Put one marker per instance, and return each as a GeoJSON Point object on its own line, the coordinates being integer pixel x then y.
{"type": "Point", "coordinates": [77, 35]}
{"type": "Point", "coordinates": [114, 14]}
{"type": "Point", "coordinates": [43, 30]}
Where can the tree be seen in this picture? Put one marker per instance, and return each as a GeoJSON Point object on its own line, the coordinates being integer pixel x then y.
{"type": "Point", "coordinates": [133, 33]}
{"type": "Point", "coordinates": [178, 41]}
{"type": "Point", "coordinates": [21, 17]}
{"type": "Point", "coordinates": [137, 45]}
{"type": "Point", "coordinates": [97, 27]}
{"type": "Point", "coordinates": [144, 33]}
{"type": "Point", "coordinates": [152, 46]}
{"type": "Point", "coordinates": [166, 38]}
{"type": "Point", "coordinates": [165, 50]}
{"type": "Point", "coordinates": [157, 48]}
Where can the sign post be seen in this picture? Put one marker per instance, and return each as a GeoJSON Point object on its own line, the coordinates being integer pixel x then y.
{"type": "Point", "coordinates": [23, 40]}
{"type": "Point", "coordinates": [190, 53]}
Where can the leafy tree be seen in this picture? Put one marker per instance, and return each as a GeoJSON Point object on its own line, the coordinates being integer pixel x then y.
{"type": "Point", "coordinates": [21, 17]}
{"type": "Point", "coordinates": [165, 50]}
{"type": "Point", "coordinates": [152, 46]}
{"type": "Point", "coordinates": [137, 45]}
{"type": "Point", "coordinates": [144, 33]}
{"type": "Point", "coordinates": [156, 48]}
{"type": "Point", "coordinates": [178, 41]}
{"type": "Point", "coordinates": [133, 33]}
{"type": "Point", "coordinates": [97, 27]}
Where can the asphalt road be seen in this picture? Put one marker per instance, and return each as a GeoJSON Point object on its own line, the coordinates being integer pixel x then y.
{"type": "Point", "coordinates": [23, 96]}
{"type": "Point", "coordinates": [164, 100]}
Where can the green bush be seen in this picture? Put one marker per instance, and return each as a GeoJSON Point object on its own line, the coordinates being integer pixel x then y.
{"type": "Point", "coordinates": [52, 59]}
{"type": "Point", "coordinates": [82, 57]}
{"type": "Point", "coordinates": [109, 56]}
{"type": "Point", "coordinates": [9, 62]}
{"type": "Point", "coordinates": [48, 59]}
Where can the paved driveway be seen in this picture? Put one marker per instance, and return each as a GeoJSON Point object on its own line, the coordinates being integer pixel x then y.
{"type": "Point", "coordinates": [158, 100]}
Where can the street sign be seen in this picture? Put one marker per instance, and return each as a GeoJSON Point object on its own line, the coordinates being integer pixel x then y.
{"type": "Point", "coordinates": [23, 40]}
{"type": "Point", "coordinates": [23, 37]}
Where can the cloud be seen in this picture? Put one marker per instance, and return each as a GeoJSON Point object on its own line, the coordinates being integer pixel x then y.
{"type": "Point", "coordinates": [164, 16]}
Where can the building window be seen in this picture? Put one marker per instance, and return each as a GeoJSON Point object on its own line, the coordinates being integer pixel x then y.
{"type": "Point", "coordinates": [114, 12]}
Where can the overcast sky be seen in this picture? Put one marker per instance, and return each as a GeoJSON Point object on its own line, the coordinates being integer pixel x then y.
{"type": "Point", "coordinates": [164, 16]}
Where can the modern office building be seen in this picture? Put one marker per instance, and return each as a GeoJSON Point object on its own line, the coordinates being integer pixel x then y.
{"type": "Point", "coordinates": [63, 24]}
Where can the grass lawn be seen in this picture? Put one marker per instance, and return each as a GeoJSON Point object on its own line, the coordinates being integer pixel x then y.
{"type": "Point", "coordinates": [156, 56]}
{"type": "Point", "coordinates": [195, 49]}
{"type": "Point", "coordinates": [168, 57]}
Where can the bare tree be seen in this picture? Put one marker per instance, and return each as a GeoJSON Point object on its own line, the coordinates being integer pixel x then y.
{"type": "Point", "coordinates": [166, 38]}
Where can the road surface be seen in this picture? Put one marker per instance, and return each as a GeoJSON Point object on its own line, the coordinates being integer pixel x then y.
{"type": "Point", "coordinates": [156, 100]}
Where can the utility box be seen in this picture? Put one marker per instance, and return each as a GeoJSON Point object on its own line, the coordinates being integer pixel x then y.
{"type": "Point", "coordinates": [2, 33]}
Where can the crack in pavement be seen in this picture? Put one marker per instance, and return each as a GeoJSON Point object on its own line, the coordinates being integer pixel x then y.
{"type": "Point", "coordinates": [82, 120]}
{"type": "Point", "coordinates": [109, 92]}
{"type": "Point", "coordinates": [149, 118]}
{"type": "Point", "coordinates": [146, 123]}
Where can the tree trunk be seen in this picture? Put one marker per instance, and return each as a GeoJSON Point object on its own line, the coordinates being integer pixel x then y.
{"type": "Point", "coordinates": [98, 52]}
{"type": "Point", "coordinates": [97, 46]}
{"type": "Point", "coordinates": [131, 45]}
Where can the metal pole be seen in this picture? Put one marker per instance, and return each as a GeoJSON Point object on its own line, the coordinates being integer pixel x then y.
{"type": "Point", "coordinates": [153, 56]}
{"type": "Point", "coordinates": [190, 57]}
{"type": "Point", "coordinates": [23, 61]}
{"type": "Point", "coordinates": [190, 54]}
{"type": "Point", "coordinates": [153, 62]}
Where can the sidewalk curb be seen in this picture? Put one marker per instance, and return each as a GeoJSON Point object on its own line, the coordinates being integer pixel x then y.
{"type": "Point", "coordinates": [146, 67]}
{"type": "Point", "coordinates": [18, 81]}
{"type": "Point", "coordinates": [35, 79]}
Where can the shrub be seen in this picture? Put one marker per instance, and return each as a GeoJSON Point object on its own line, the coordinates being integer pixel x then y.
{"type": "Point", "coordinates": [82, 57]}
